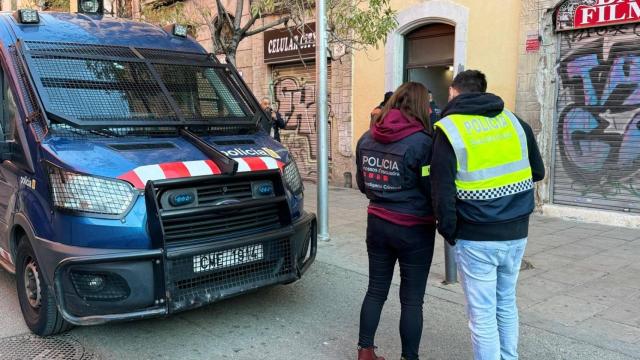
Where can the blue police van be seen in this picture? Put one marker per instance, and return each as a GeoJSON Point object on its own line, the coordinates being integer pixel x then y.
{"type": "Point", "coordinates": [137, 178]}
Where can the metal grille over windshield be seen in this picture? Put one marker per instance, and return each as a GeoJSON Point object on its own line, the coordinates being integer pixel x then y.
{"type": "Point", "coordinates": [93, 86]}
{"type": "Point", "coordinates": [213, 97]}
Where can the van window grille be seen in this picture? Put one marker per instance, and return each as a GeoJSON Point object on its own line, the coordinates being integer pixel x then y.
{"type": "Point", "coordinates": [67, 131]}
{"type": "Point", "coordinates": [81, 50]}
{"type": "Point", "coordinates": [94, 86]}
{"type": "Point", "coordinates": [38, 123]}
{"type": "Point", "coordinates": [91, 90]}
{"type": "Point", "coordinates": [162, 55]}
{"type": "Point", "coordinates": [198, 91]}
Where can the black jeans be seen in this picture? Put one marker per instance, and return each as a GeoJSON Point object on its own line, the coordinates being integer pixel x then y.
{"type": "Point", "coordinates": [412, 247]}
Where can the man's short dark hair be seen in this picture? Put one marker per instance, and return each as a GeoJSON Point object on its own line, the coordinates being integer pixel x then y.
{"type": "Point", "coordinates": [470, 81]}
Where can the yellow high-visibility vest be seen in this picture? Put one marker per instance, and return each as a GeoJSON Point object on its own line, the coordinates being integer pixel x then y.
{"type": "Point", "coordinates": [492, 155]}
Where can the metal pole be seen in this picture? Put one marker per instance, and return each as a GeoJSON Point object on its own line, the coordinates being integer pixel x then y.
{"type": "Point", "coordinates": [450, 266]}
{"type": "Point", "coordinates": [323, 145]}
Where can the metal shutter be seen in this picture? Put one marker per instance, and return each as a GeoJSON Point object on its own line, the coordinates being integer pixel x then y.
{"type": "Point", "coordinates": [597, 156]}
{"type": "Point", "coordinates": [294, 92]}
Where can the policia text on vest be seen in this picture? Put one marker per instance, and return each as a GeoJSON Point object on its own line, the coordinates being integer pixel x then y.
{"type": "Point", "coordinates": [483, 125]}
{"type": "Point", "coordinates": [381, 171]}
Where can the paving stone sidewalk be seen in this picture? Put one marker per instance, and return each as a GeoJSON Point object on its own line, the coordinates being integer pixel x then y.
{"type": "Point", "coordinates": [584, 280]}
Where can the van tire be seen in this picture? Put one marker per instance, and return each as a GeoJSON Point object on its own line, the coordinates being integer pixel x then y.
{"type": "Point", "coordinates": [38, 305]}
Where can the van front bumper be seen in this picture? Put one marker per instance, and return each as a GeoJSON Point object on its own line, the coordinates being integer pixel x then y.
{"type": "Point", "coordinates": [123, 285]}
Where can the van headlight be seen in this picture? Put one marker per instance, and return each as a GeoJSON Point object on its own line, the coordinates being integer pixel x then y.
{"type": "Point", "coordinates": [90, 194]}
{"type": "Point", "coordinates": [292, 178]}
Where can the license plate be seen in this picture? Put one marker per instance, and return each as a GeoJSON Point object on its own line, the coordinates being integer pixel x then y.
{"type": "Point", "coordinates": [227, 258]}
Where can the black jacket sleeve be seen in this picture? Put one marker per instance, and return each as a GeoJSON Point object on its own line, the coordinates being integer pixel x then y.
{"type": "Point", "coordinates": [535, 159]}
{"type": "Point", "coordinates": [279, 121]}
{"type": "Point", "coordinates": [443, 186]}
{"type": "Point", "coordinates": [359, 178]}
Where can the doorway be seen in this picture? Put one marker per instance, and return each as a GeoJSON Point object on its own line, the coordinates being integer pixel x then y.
{"type": "Point", "coordinates": [429, 59]}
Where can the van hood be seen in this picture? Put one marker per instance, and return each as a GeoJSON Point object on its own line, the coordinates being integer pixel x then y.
{"type": "Point", "coordinates": [138, 160]}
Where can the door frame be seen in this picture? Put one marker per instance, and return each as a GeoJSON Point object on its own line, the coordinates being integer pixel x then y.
{"type": "Point", "coordinates": [435, 11]}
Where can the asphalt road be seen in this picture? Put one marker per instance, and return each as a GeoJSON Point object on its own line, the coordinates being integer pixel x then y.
{"type": "Point", "coordinates": [316, 318]}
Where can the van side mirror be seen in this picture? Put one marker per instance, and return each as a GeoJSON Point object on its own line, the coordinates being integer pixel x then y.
{"type": "Point", "coordinates": [8, 150]}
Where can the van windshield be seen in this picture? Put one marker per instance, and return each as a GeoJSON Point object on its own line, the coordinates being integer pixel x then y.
{"type": "Point", "coordinates": [115, 88]}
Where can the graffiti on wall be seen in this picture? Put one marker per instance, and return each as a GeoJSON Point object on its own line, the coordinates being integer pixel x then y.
{"type": "Point", "coordinates": [599, 121]}
{"type": "Point", "coordinates": [296, 101]}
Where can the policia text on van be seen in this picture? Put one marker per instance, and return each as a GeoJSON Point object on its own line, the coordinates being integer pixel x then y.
{"type": "Point", "coordinates": [136, 179]}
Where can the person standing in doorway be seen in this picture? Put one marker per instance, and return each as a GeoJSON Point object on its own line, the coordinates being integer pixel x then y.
{"type": "Point", "coordinates": [393, 172]}
{"type": "Point", "coordinates": [435, 110]}
{"type": "Point", "coordinates": [277, 122]}
{"type": "Point", "coordinates": [485, 161]}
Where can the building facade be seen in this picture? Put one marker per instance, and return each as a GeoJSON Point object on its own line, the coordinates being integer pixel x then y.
{"type": "Point", "coordinates": [581, 90]}
{"type": "Point", "coordinates": [434, 40]}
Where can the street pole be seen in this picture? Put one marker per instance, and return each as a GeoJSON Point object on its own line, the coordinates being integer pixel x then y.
{"type": "Point", "coordinates": [450, 265]}
{"type": "Point", "coordinates": [322, 110]}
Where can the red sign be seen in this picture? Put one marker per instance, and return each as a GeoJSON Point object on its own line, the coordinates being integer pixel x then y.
{"type": "Point", "coordinates": [581, 14]}
{"type": "Point", "coordinates": [533, 44]}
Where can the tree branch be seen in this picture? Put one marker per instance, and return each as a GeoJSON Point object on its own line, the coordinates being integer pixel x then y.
{"type": "Point", "coordinates": [221, 10]}
{"type": "Point", "coordinates": [249, 24]}
{"type": "Point", "coordinates": [260, 29]}
{"type": "Point", "coordinates": [223, 14]}
{"type": "Point", "coordinates": [238, 18]}
{"type": "Point", "coordinates": [215, 27]}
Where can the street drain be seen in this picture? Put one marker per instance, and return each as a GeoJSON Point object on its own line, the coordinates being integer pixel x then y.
{"type": "Point", "coordinates": [63, 347]}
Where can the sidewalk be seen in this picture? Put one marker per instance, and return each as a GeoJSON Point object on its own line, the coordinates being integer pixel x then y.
{"type": "Point", "coordinates": [584, 283]}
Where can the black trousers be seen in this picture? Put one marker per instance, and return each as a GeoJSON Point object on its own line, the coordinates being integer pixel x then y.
{"type": "Point", "coordinates": [412, 247]}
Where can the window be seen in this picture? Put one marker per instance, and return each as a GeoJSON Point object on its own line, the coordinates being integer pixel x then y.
{"type": "Point", "coordinates": [113, 92]}
{"type": "Point", "coordinates": [9, 110]}
{"type": "Point", "coordinates": [9, 140]}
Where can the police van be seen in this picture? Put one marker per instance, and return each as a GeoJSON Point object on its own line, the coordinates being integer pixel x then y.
{"type": "Point", "coordinates": [137, 179]}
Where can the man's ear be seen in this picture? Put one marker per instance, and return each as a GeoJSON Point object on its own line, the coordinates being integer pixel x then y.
{"type": "Point", "coordinates": [453, 93]}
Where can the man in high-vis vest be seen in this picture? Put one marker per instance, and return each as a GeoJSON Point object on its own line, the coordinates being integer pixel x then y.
{"type": "Point", "coordinates": [485, 161]}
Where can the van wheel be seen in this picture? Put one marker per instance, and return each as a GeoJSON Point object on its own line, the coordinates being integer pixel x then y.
{"type": "Point", "coordinates": [36, 302]}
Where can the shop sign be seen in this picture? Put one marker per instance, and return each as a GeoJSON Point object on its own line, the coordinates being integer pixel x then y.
{"type": "Point", "coordinates": [582, 14]}
{"type": "Point", "coordinates": [280, 46]}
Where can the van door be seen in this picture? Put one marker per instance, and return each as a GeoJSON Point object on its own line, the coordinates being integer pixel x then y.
{"type": "Point", "coordinates": [9, 181]}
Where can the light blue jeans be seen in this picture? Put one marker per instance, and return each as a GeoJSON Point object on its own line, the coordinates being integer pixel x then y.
{"type": "Point", "coordinates": [489, 273]}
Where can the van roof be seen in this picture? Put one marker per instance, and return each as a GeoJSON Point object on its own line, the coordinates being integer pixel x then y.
{"type": "Point", "coordinates": [98, 30]}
